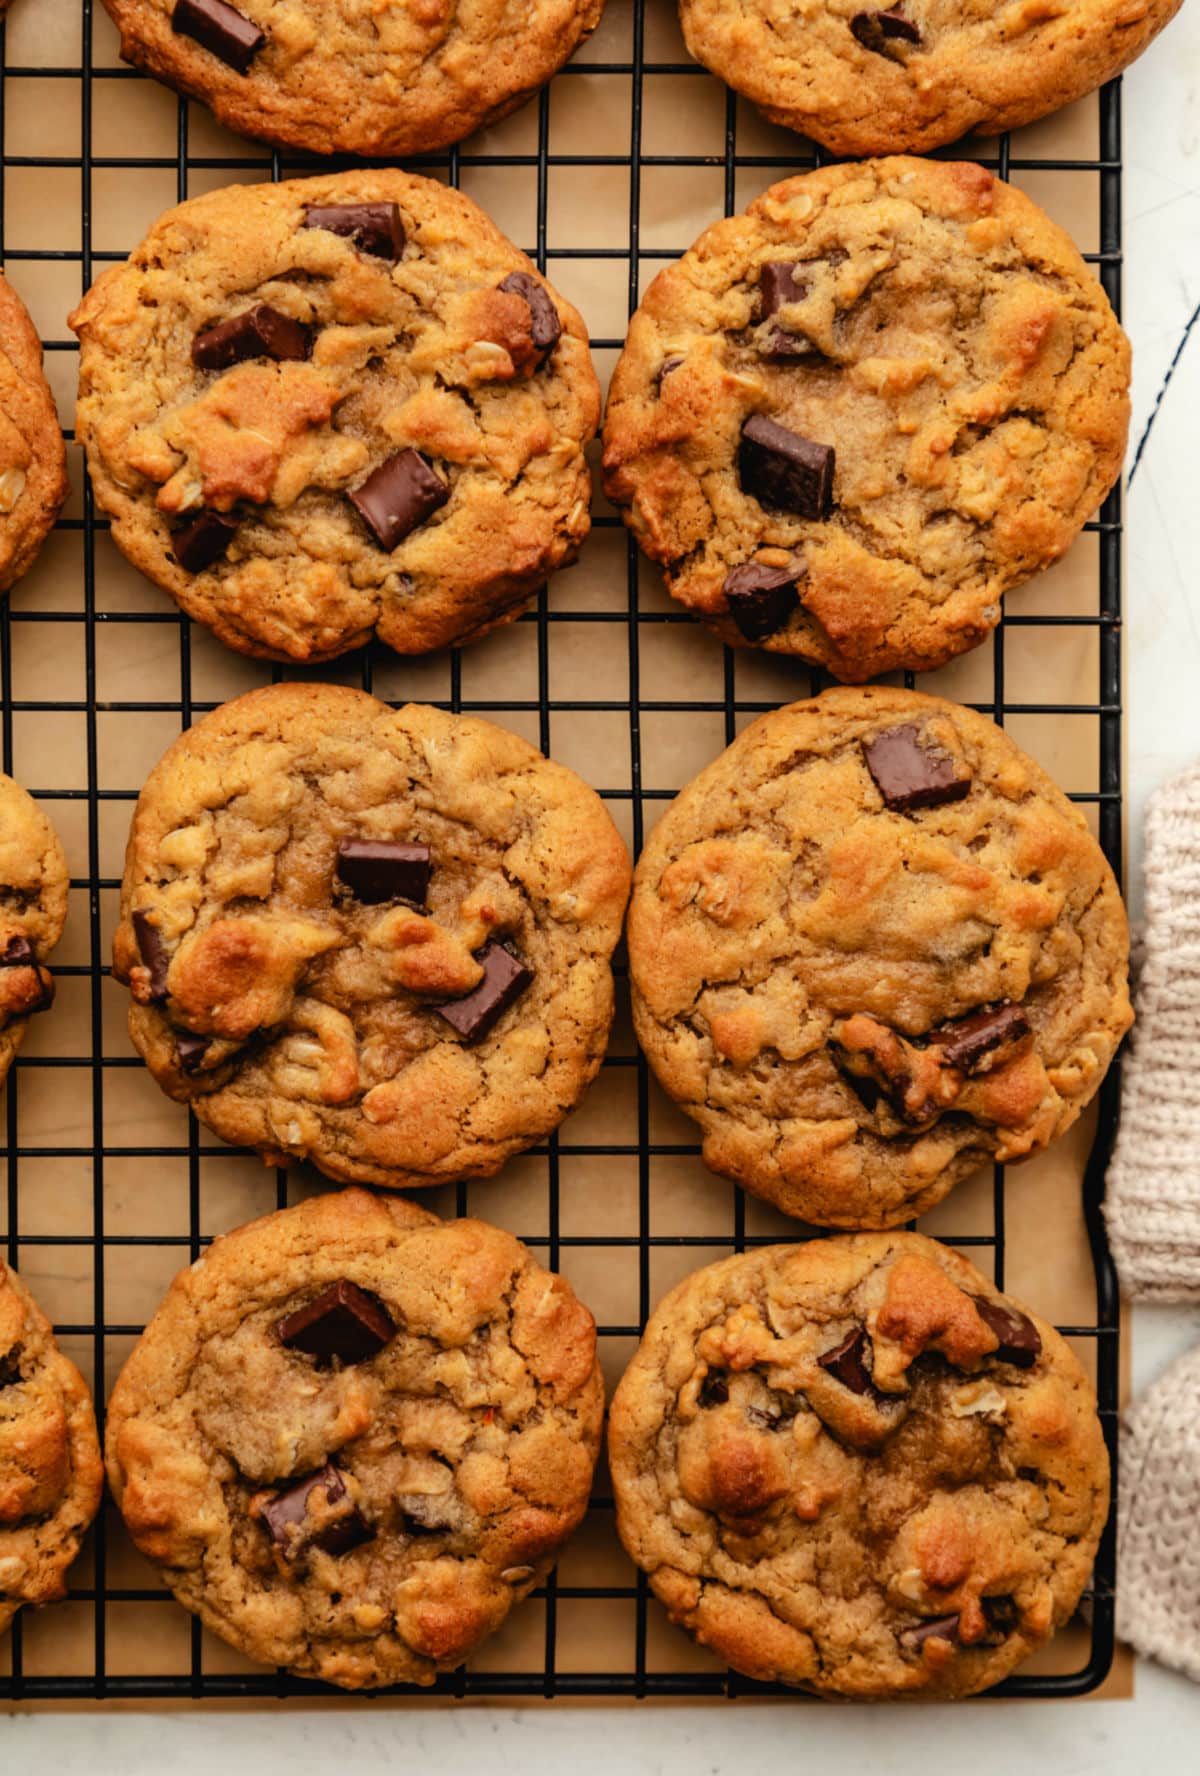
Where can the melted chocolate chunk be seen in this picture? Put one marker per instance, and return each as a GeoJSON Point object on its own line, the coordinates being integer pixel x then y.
{"type": "Point", "coordinates": [153, 952]}
{"type": "Point", "coordinates": [545, 326]}
{"type": "Point", "coordinates": [221, 28]}
{"type": "Point", "coordinates": [667, 365]}
{"type": "Point", "coordinates": [505, 978]}
{"type": "Point", "coordinates": [714, 1390]}
{"type": "Point", "coordinates": [258, 332]}
{"type": "Point", "coordinates": [779, 468]}
{"type": "Point", "coordinates": [970, 1042]}
{"type": "Point", "coordinates": [203, 540]}
{"type": "Point", "coordinates": [10, 1366]}
{"type": "Point", "coordinates": [909, 774]}
{"type": "Point", "coordinates": [191, 1050]}
{"type": "Point", "coordinates": [1001, 1612]}
{"type": "Point", "coordinates": [1020, 1340]}
{"type": "Point", "coordinates": [761, 599]}
{"type": "Point", "coordinates": [934, 1628]}
{"type": "Point", "coordinates": [343, 1321]}
{"type": "Point", "coordinates": [845, 1363]}
{"type": "Point", "coordinates": [18, 953]}
{"type": "Point", "coordinates": [401, 494]}
{"type": "Point", "coordinates": [286, 1517]}
{"type": "Point", "coordinates": [777, 285]}
{"type": "Point", "coordinates": [875, 30]}
{"type": "Point", "coordinates": [376, 870]}
{"type": "Point", "coordinates": [374, 228]}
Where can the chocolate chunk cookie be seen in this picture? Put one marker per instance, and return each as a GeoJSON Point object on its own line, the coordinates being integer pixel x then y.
{"type": "Point", "coordinates": [50, 1470]}
{"type": "Point", "coordinates": [919, 74]}
{"type": "Point", "coordinates": [379, 941]}
{"type": "Point", "coordinates": [846, 422]}
{"type": "Point", "coordinates": [335, 407]}
{"type": "Point", "coordinates": [353, 1436]}
{"type": "Point", "coordinates": [874, 947]}
{"type": "Point", "coordinates": [855, 1466]}
{"type": "Point", "coordinates": [33, 462]}
{"type": "Point", "coordinates": [381, 79]}
{"type": "Point", "coordinates": [33, 911]}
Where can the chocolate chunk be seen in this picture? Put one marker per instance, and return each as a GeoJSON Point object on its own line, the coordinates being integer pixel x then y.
{"type": "Point", "coordinates": [258, 332]}
{"type": "Point", "coordinates": [203, 540]}
{"type": "Point", "coordinates": [374, 228]}
{"type": "Point", "coordinates": [1002, 1613]}
{"type": "Point", "coordinates": [782, 469]}
{"type": "Point", "coordinates": [402, 493]}
{"type": "Point", "coordinates": [220, 28]}
{"type": "Point", "coordinates": [781, 344]}
{"type": "Point", "coordinates": [22, 998]}
{"type": "Point", "coordinates": [1020, 1340]}
{"type": "Point", "coordinates": [845, 1362]}
{"type": "Point", "coordinates": [908, 774]}
{"type": "Point", "coordinates": [505, 978]}
{"type": "Point", "coordinates": [761, 599]}
{"type": "Point", "coordinates": [376, 870]}
{"type": "Point", "coordinates": [971, 1043]}
{"type": "Point", "coordinates": [18, 953]}
{"type": "Point", "coordinates": [667, 365]}
{"type": "Point", "coordinates": [875, 29]}
{"type": "Point", "coordinates": [714, 1390]}
{"type": "Point", "coordinates": [545, 327]}
{"type": "Point", "coordinates": [343, 1321]}
{"type": "Point", "coordinates": [191, 1050]}
{"type": "Point", "coordinates": [286, 1517]}
{"type": "Point", "coordinates": [764, 1418]}
{"type": "Point", "coordinates": [153, 953]}
{"type": "Point", "coordinates": [934, 1628]}
{"type": "Point", "coordinates": [778, 284]}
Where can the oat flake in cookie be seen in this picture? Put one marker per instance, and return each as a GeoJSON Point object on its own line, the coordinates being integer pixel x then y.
{"type": "Point", "coordinates": [364, 1499]}
{"type": "Point", "coordinates": [33, 463]}
{"type": "Point", "coordinates": [50, 1470]}
{"type": "Point", "coordinates": [33, 911]}
{"type": "Point", "coordinates": [873, 947]}
{"type": "Point", "coordinates": [848, 421]}
{"type": "Point", "coordinates": [855, 1466]}
{"type": "Point", "coordinates": [379, 941]}
{"type": "Point", "coordinates": [337, 407]}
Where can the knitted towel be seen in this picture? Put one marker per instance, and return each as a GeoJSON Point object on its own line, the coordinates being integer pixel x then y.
{"type": "Point", "coordinates": [1158, 1549]}
{"type": "Point", "coordinates": [1153, 1197]}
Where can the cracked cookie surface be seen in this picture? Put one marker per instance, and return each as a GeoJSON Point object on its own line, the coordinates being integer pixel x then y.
{"type": "Point", "coordinates": [955, 376]}
{"type": "Point", "coordinates": [872, 948]}
{"type": "Point", "coordinates": [920, 74]}
{"type": "Point", "coordinates": [33, 462]}
{"type": "Point", "coordinates": [33, 910]}
{"type": "Point", "coordinates": [50, 1470]}
{"type": "Point", "coordinates": [452, 1452]}
{"type": "Point", "coordinates": [308, 1010]}
{"type": "Point", "coordinates": [853, 1465]}
{"type": "Point", "coordinates": [242, 482]}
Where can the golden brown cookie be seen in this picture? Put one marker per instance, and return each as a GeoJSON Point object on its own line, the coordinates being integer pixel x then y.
{"type": "Point", "coordinates": [846, 422]}
{"type": "Point", "coordinates": [376, 940]}
{"type": "Point", "coordinates": [336, 407]}
{"type": "Point", "coordinates": [873, 947]}
{"type": "Point", "coordinates": [33, 461]}
{"type": "Point", "coordinates": [922, 73]}
{"type": "Point", "coordinates": [353, 1436]}
{"type": "Point", "coordinates": [855, 1466]}
{"type": "Point", "coordinates": [51, 1475]}
{"type": "Point", "coordinates": [33, 910]}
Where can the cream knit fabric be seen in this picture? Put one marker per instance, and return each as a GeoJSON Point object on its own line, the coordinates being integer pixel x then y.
{"type": "Point", "coordinates": [1158, 1548]}
{"type": "Point", "coordinates": [1153, 1198]}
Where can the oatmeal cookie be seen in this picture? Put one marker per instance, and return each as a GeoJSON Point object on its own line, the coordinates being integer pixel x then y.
{"type": "Point", "coordinates": [337, 407]}
{"type": "Point", "coordinates": [33, 911]}
{"type": "Point", "coordinates": [353, 1436]}
{"type": "Point", "coordinates": [50, 1470]}
{"type": "Point", "coordinates": [846, 422]}
{"type": "Point", "coordinates": [873, 947]}
{"type": "Point", "coordinates": [855, 1466]}
{"type": "Point", "coordinates": [33, 461]}
{"type": "Point", "coordinates": [379, 941]}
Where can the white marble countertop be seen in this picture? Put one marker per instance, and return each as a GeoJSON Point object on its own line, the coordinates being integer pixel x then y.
{"type": "Point", "coordinates": [1160, 1727]}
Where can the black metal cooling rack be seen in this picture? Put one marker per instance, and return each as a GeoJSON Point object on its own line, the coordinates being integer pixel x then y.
{"type": "Point", "coordinates": [89, 1074]}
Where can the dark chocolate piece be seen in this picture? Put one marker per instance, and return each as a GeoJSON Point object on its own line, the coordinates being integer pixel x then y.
{"type": "Point", "coordinates": [343, 1321]}
{"type": "Point", "coordinates": [782, 469]}
{"type": "Point", "coordinates": [191, 1050]}
{"type": "Point", "coordinates": [203, 540]}
{"type": "Point", "coordinates": [911, 775]}
{"type": "Point", "coordinates": [18, 953]}
{"type": "Point", "coordinates": [761, 599]}
{"type": "Point", "coordinates": [971, 1042]}
{"type": "Point", "coordinates": [286, 1516]}
{"type": "Point", "coordinates": [669, 364]}
{"type": "Point", "coordinates": [714, 1390]}
{"type": "Point", "coordinates": [1020, 1340]}
{"type": "Point", "coordinates": [376, 870]}
{"type": "Point", "coordinates": [505, 978]}
{"type": "Point", "coordinates": [545, 328]}
{"type": "Point", "coordinates": [764, 1418]}
{"type": "Point", "coordinates": [875, 29]}
{"type": "Point", "coordinates": [221, 28]}
{"type": "Point", "coordinates": [374, 228]}
{"type": "Point", "coordinates": [935, 1628]}
{"type": "Point", "coordinates": [781, 344]}
{"type": "Point", "coordinates": [258, 332]}
{"type": "Point", "coordinates": [1001, 1612]}
{"type": "Point", "coordinates": [402, 493]}
{"type": "Point", "coordinates": [153, 953]}
{"type": "Point", "coordinates": [845, 1362]}
{"type": "Point", "coordinates": [24, 998]}
{"type": "Point", "coordinates": [777, 284]}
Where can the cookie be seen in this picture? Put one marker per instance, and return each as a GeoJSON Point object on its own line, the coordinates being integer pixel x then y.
{"type": "Point", "coordinates": [873, 947]}
{"type": "Point", "coordinates": [354, 79]}
{"type": "Point", "coordinates": [378, 941]}
{"type": "Point", "coordinates": [33, 460]}
{"type": "Point", "coordinates": [917, 75]}
{"type": "Point", "coordinates": [33, 910]}
{"type": "Point", "coordinates": [50, 1470]}
{"type": "Point", "coordinates": [337, 407]}
{"type": "Point", "coordinates": [846, 422]}
{"type": "Point", "coordinates": [353, 1436]}
{"type": "Point", "coordinates": [857, 1467]}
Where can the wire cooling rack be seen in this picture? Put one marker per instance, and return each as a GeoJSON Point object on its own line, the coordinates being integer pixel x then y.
{"type": "Point", "coordinates": [109, 1188]}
